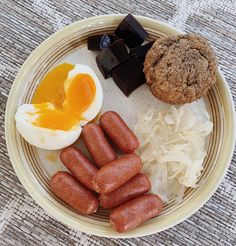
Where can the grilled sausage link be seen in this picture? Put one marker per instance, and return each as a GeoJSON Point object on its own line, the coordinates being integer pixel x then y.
{"type": "Point", "coordinates": [133, 213]}
{"type": "Point", "coordinates": [68, 189]}
{"type": "Point", "coordinates": [97, 145]}
{"type": "Point", "coordinates": [116, 173]}
{"type": "Point", "coordinates": [135, 187]}
{"type": "Point", "coordinates": [79, 165]}
{"type": "Point", "coordinates": [119, 132]}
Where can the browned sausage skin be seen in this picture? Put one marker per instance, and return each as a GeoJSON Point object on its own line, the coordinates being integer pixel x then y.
{"type": "Point", "coordinates": [133, 213]}
{"type": "Point", "coordinates": [97, 144]}
{"type": "Point", "coordinates": [116, 173]}
{"type": "Point", "coordinates": [135, 187]}
{"type": "Point", "coordinates": [68, 189]}
{"type": "Point", "coordinates": [119, 132]}
{"type": "Point", "coordinates": [79, 165]}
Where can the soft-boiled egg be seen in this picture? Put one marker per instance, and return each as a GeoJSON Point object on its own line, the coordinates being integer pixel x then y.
{"type": "Point", "coordinates": [87, 91]}
{"type": "Point", "coordinates": [67, 98]}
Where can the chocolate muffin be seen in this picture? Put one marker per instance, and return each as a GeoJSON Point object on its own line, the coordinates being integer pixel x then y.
{"type": "Point", "coordinates": [180, 69]}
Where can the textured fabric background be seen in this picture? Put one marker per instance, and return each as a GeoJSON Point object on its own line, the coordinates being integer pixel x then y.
{"type": "Point", "coordinates": [23, 26]}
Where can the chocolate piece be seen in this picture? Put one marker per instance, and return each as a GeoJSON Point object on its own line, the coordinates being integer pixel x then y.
{"type": "Point", "coordinates": [99, 42]}
{"type": "Point", "coordinates": [141, 51]}
{"type": "Point", "coordinates": [129, 75]}
{"type": "Point", "coordinates": [131, 31]}
{"type": "Point", "coordinates": [111, 57]}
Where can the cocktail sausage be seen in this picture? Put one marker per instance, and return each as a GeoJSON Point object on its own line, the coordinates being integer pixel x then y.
{"type": "Point", "coordinates": [68, 189]}
{"type": "Point", "coordinates": [135, 187]}
{"type": "Point", "coordinates": [133, 213]}
{"type": "Point", "coordinates": [116, 173]}
{"type": "Point", "coordinates": [119, 132]}
{"type": "Point", "coordinates": [97, 145]}
{"type": "Point", "coordinates": [79, 165]}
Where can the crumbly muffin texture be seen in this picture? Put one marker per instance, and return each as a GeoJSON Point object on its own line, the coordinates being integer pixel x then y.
{"type": "Point", "coordinates": [180, 69]}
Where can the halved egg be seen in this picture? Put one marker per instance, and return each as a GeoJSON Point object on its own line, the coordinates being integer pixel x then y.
{"type": "Point", "coordinates": [66, 99]}
{"type": "Point", "coordinates": [82, 92]}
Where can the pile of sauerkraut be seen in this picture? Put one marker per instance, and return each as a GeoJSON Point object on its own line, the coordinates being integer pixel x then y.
{"type": "Point", "coordinates": [173, 147]}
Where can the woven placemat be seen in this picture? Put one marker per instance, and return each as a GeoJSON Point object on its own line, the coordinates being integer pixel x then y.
{"type": "Point", "coordinates": [23, 26]}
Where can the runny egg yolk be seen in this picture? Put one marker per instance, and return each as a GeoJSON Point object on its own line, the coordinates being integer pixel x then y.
{"type": "Point", "coordinates": [79, 94]}
{"type": "Point", "coordinates": [50, 89]}
{"type": "Point", "coordinates": [56, 118]}
{"type": "Point", "coordinates": [70, 97]}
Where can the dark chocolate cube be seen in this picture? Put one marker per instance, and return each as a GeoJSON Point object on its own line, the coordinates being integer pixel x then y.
{"type": "Point", "coordinates": [141, 51]}
{"type": "Point", "coordinates": [131, 31]}
{"type": "Point", "coordinates": [111, 57]}
{"type": "Point", "coordinates": [129, 75]}
{"type": "Point", "coordinates": [99, 42]}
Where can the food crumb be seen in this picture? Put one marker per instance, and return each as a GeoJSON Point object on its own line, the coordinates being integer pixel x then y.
{"type": "Point", "coordinates": [51, 156]}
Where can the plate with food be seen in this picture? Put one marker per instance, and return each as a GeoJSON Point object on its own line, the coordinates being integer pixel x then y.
{"type": "Point", "coordinates": [120, 126]}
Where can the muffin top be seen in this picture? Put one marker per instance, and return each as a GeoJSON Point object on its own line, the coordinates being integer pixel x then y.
{"type": "Point", "coordinates": [180, 69]}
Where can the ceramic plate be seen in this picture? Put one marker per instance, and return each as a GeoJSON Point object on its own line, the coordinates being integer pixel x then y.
{"type": "Point", "coordinates": [34, 167]}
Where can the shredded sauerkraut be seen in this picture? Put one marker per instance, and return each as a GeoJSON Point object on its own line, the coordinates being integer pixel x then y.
{"type": "Point", "coordinates": [173, 147]}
